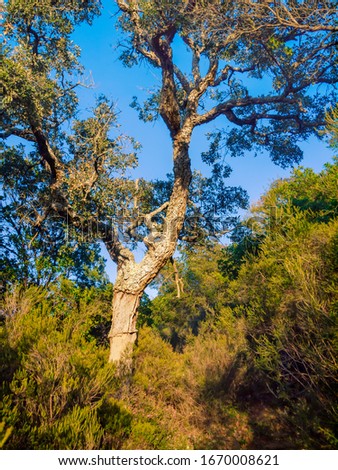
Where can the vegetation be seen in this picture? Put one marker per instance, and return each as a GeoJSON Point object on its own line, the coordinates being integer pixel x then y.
{"type": "Point", "coordinates": [62, 171]}
{"type": "Point", "coordinates": [244, 359]}
{"type": "Point", "coordinates": [239, 348]}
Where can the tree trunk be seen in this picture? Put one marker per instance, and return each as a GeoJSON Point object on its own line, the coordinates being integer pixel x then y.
{"type": "Point", "coordinates": [133, 278]}
{"type": "Point", "coordinates": [123, 331]}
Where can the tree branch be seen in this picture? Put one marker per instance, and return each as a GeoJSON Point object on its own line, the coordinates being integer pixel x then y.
{"type": "Point", "coordinates": [47, 153]}
{"type": "Point", "coordinates": [25, 134]}
{"type": "Point", "coordinates": [227, 107]}
{"type": "Point", "coordinates": [182, 79]}
{"type": "Point", "coordinates": [169, 107]}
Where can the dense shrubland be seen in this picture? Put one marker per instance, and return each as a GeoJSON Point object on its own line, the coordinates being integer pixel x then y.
{"type": "Point", "coordinates": [245, 357]}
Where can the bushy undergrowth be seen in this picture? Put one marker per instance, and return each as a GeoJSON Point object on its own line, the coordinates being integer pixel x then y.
{"type": "Point", "coordinates": [54, 376]}
{"type": "Point", "coordinates": [59, 392]}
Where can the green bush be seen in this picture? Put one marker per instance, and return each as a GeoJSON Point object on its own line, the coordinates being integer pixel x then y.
{"type": "Point", "coordinates": [59, 377]}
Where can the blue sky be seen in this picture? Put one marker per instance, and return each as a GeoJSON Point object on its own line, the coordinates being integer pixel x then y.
{"type": "Point", "coordinates": [100, 59]}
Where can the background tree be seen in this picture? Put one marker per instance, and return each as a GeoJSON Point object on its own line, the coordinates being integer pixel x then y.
{"type": "Point", "coordinates": [230, 46]}
{"type": "Point", "coordinates": [39, 257]}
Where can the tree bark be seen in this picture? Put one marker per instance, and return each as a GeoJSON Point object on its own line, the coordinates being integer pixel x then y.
{"type": "Point", "coordinates": [123, 331]}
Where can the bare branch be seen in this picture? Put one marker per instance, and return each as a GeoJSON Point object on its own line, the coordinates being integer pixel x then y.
{"type": "Point", "coordinates": [146, 219]}
{"type": "Point", "coordinates": [25, 134]}
{"type": "Point", "coordinates": [182, 79]}
{"type": "Point", "coordinates": [196, 57]}
{"type": "Point", "coordinates": [224, 73]}
{"type": "Point", "coordinates": [47, 153]}
{"type": "Point", "coordinates": [227, 107]}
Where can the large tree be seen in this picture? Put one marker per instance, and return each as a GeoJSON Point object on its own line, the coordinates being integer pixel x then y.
{"type": "Point", "coordinates": [230, 47]}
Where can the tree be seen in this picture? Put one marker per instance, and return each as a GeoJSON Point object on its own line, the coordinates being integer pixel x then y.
{"type": "Point", "coordinates": [230, 46]}
{"type": "Point", "coordinates": [39, 257]}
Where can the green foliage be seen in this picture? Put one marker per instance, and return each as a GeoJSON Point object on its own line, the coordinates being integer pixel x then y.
{"type": "Point", "coordinates": [158, 370]}
{"type": "Point", "coordinates": [332, 127]}
{"type": "Point", "coordinates": [145, 435]}
{"type": "Point", "coordinates": [178, 318]}
{"type": "Point", "coordinates": [180, 400]}
{"type": "Point", "coordinates": [239, 43]}
{"type": "Point", "coordinates": [116, 421]}
{"type": "Point", "coordinates": [40, 257]}
{"type": "Point", "coordinates": [305, 191]}
{"type": "Point", "coordinates": [287, 292]}
{"type": "Point", "coordinates": [53, 230]}
{"type": "Point", "coordinates": [60, 376]}
{"type": "Point", "coordinates": [253, 366]}
{"type": "Point", "coordinates": [62, 169]}
{"type": "Point", "coordinates": [36, 72]}
{"type": "Point", "coordinates": [4, 433]}
{"type": "Point", "coordinates": [243, 358]}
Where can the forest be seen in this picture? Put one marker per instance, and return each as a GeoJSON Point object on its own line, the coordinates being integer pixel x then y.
{"type": "Point", "coordinates": [238, 348]}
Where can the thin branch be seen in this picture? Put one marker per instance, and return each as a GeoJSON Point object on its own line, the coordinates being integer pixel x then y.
{"type": "Point", "coordinates": [178, 280]}
{"type": "Point", "coordinates": [223, 75]}
{"type": "Point", "coordinates": [182, 79]}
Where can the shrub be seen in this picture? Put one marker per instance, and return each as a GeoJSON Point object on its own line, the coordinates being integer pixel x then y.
{"type": "Point", "coordinates": [59, 379]}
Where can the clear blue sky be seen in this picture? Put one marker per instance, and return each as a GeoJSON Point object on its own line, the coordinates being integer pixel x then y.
{"type": "Point", "coordinates": [100, 59]}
